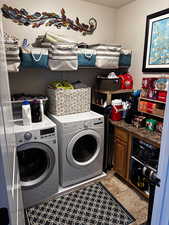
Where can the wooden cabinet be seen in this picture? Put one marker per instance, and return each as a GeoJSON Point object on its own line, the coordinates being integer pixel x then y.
{"type": "Point", "coordinates": [120, 149]}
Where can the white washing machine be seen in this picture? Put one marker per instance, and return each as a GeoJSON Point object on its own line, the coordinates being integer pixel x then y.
{"type": "Point", "coordinates": [37, 152]}
{"type": "Point", "coordinates": [81, 143]}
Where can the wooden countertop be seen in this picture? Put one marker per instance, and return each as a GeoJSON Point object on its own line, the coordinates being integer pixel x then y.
{"type": "Point", "coordinates": [153, 138]}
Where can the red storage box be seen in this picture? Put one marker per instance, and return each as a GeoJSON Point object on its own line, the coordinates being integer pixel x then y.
{"type": "Point", "coordinates": [162, 96]}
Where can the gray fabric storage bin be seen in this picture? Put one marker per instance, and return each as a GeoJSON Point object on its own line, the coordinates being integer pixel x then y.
{"type": "Point", "coordinates": [107, 56]}
{"type": "Point", "coordinates": [63, 57]}
{"type": "Point", "coordinates": [12, 57]}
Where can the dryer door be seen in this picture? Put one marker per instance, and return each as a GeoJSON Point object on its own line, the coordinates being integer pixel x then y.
{"type": "Point", "coordinates": [36, 161]}
{"type": "Point", "coordinates": [84, 148]}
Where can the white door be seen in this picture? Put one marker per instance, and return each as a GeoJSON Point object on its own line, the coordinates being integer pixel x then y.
{"type": "Point", "coordinates": [160, 214]}
{"type": "Point", "coordinates": [9, 183]}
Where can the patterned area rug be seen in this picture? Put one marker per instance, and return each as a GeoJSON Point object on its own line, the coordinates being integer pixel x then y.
{"type": "Point", "coordinates": [92, 205]}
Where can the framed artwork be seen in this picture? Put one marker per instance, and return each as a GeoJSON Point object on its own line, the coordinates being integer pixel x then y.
{"type": "Point", "coordinates": [156, 46]}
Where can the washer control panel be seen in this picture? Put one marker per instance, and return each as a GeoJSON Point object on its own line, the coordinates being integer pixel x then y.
{"type": "Point", "coordinates": [47, 132]}
{"type": "Point", "coordinates": [35, 135]}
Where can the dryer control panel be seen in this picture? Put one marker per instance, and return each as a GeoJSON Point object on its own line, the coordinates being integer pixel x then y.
{"type": "Point", "coordinates": [81, 125]}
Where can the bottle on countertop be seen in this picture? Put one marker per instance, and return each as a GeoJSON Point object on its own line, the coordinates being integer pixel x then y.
{"type": "Point", "coordinates": [26, 113]}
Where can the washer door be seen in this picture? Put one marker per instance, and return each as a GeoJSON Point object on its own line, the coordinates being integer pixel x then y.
{"type": "Point", "coordinates": [36, 161]}
{"type": "Point", "coordinates": [83, 148]}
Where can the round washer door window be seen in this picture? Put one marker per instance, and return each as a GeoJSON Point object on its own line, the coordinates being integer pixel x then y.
{"type": "Point", "coordinates": [83, 148]}
{"type": "Point", "coordinates": [36, 161]}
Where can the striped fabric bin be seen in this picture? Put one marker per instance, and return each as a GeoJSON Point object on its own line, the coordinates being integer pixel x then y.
{"type": "Point", "coordinates": [12, 56]}
{"type": "Point", "coordinates": [63, 57]}
{"type": "Point", "coordinates": [107, 56]}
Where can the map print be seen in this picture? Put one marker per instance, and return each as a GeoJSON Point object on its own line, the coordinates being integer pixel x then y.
{"type": "Point", "coordinates": [159, 47]}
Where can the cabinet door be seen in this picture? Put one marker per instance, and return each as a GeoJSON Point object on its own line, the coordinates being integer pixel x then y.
{"type": "Point", "coordinates": [120, 157]}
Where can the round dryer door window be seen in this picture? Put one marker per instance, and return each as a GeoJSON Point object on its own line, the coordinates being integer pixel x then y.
{"type": "Point", "coordinates": [36, 161]}
{"type": "Point", "coordinates": [83, 148]}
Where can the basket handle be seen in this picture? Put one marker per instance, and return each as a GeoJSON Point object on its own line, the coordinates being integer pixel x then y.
{"type": "Point", "coordinates": [88, 56]}
{"type": "Point", "coordinates": [38, 58]}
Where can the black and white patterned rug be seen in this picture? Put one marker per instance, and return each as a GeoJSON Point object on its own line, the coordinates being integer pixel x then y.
{"type": "Point", "coordinates": [92, 205]}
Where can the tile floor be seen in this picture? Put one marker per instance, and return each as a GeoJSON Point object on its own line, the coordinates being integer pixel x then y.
{"type": "Point", "coordinates": [127, 196]}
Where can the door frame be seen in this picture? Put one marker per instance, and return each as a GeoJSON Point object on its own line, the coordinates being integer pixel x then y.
{"type": "Point", "coordinates": [9, 167]}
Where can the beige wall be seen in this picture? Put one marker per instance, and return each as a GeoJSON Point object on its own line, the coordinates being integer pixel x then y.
{"type": "Point", "coordinates": [130, 30]}
{"type": "Point", "coordinates": [35, 81]}
{"type": "Point", "coordinates": [84, 10]}
{"type": "Point", "coordinates": [125, 26]}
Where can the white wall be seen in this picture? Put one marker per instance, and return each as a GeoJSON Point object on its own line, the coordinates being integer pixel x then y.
{"type": "Point", "coordinates": [105, 18]}
{"type": "Point", "coordinates": [130, 30]}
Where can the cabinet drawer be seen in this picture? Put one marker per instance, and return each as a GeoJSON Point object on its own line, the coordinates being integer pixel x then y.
{"type": "Point", "coordinates": [122, 134]}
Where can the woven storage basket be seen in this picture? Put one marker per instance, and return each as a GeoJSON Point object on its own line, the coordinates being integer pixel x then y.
{"type": "Point", "coordinates": [64, 102]}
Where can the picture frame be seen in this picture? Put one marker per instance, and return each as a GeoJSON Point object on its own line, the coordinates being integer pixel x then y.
{"type": "Point", "coordinates": [156, 45]}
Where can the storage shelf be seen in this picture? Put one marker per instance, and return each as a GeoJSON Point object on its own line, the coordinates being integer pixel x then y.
{"type": "Point", "coordinates": [80, 67]}
{"type": "Point", "coordinates": [116, 68]}
{"type": "Point", "coordinates": [108, 95]}
{"type": "Point", "coordinates": [98, 105]}
{"type": "Point", "coordinates": [152, 114]}
{"type": "Point", "coordinates": [143, 164]}
{"type": "Point", "coordinates": [30, 100]}
{"type": "Point", "coordinates": [152, 100]}
{"type": "Point", "coordinates": [120, 91]}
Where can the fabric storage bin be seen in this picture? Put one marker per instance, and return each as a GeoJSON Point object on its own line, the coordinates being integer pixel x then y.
{"type": "Point", "coordinates": [125, 58]}
{"type": "Point", "coordinates": [108, 84]}
{"type": "Point", "coordinates": [63, 57]}
{"type": "Point", "coordinates": [12, 57]}
{"type": "Point", "coordinates": [34, 57]}
{"type": "Point", "coordinates": [107, 56]}
{"type": "Point", "coordinates": [86, 57]}
{"type": "Point", "coordinates": [64, 102]}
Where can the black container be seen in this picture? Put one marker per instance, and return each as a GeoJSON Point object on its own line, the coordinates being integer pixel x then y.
{"type": "Point", "coordinates": [108, 84]}
{"type": "Point", "coordinates": [36, 112]}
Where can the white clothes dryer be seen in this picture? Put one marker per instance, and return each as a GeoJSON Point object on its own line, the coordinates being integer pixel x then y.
{"type": "Point", "coordinates": [81, 143]}
{"type": "Point", "coordinates": [37, 152]}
